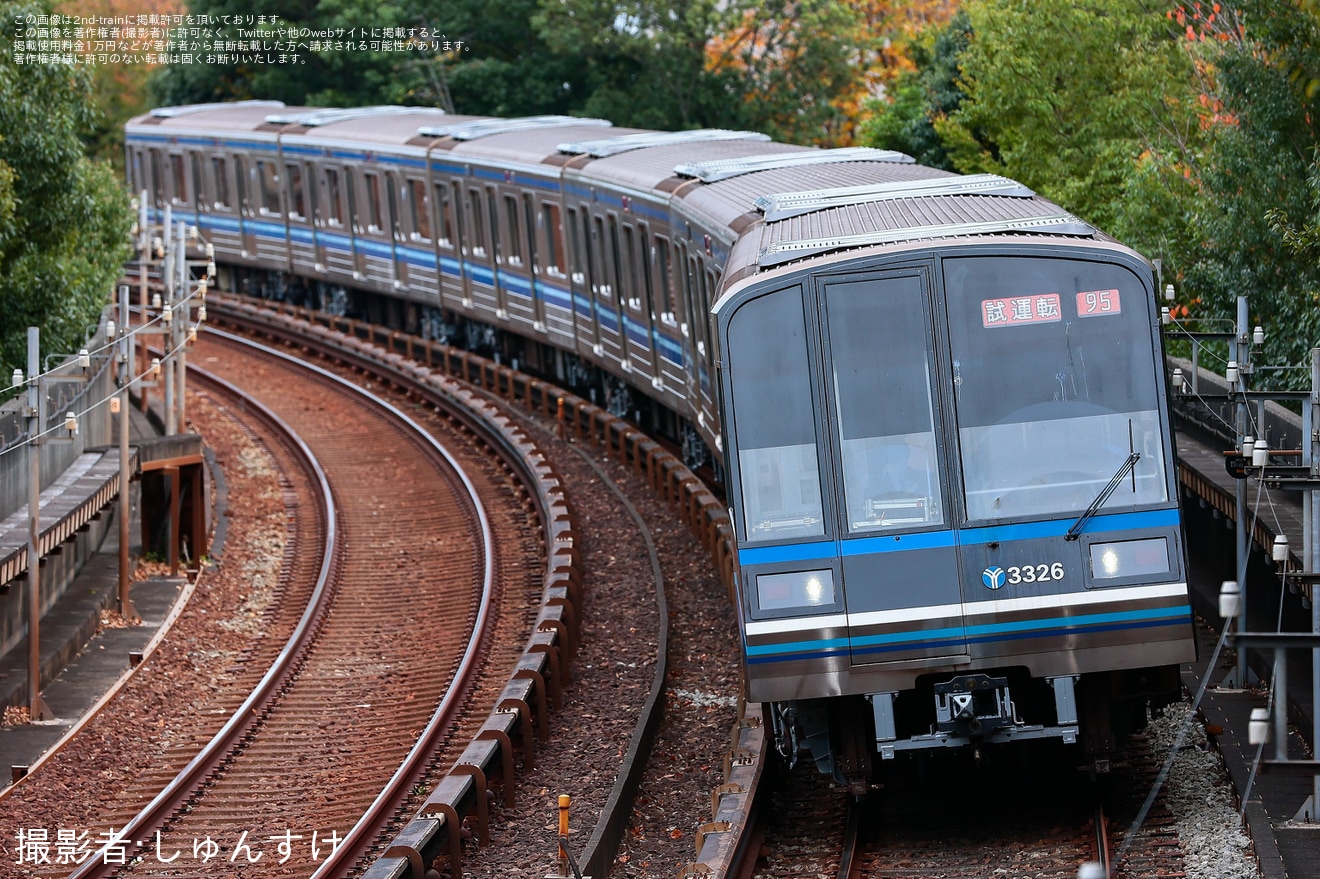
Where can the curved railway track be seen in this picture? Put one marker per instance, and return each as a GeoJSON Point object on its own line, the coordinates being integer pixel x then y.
{"type": "Point", "coordinates": [407, 589]}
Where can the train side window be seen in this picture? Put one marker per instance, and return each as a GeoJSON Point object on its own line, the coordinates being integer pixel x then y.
{"type": "Point", "coordinates": [157, 181]}
{"type": "Point", "coordinates": [578, 236]}
{"type": "Point", "coordinates": [474, 224]}
{"type": "Point", "coordinates": [268, 181]}
{"type": "Point", "coordinates": [878, 339]}
{"type": "Point", "coordinates": [493, 217]}
{"type": "Point", "coordinates": [392, 193]}
{"type": "Point", "coordinates": [600, 277]}
{"type": "Point", "coordinates": [334, 214]}
{"type": "Point", "coordinates": [220, 174]}
{"type": "Point", "coordinates": [529, 228]}
{"type": "Point", "coordinates": [642, 273]}
{"type": "Point", "coordinates": [374, 221]}
{"type": "Point", "coordinates": [198, 181]}
{"type": "Point", "coordinates": [629, 286]}
{"type": "Point", "coordinates": [242, 188]}
{"type": "Point", "coordinates": [445, 210]}
{"type": "Point", "coordinates": [354, 199]}
{"type": "Point", "coordinates": [777, 459]}
{"type": "Point", "coordinates": [554, 239]}
{"type": "Point", "coordinates": [178, 180]}
{"type": "Point", "coordinates": [614, 263]}
{"type": "Point", "coordinates": [297, 198]}
{"type": "Point", "coordinates": [515, 231]}
{"type": "Point", "coordinates": [420, 203]}
{"type": "Point", "coordinates": [660, 259]}
{"type": "Point", "coordinates": [139, 173]}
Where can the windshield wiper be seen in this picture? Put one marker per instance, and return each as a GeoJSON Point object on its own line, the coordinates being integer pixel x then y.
{"type": "Point", "coordinates": [1103, 496]}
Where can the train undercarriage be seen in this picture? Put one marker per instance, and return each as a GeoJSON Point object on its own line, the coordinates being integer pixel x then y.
{"type": "Point", "coordinates": [976, 715]}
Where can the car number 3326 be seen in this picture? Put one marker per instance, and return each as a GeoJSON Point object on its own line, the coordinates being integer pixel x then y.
{"type": "Point", "coordinates": [1034, 573]}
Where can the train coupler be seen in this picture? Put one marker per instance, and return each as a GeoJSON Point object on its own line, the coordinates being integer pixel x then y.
{"type": "Point", "coordinates": [973, 705]}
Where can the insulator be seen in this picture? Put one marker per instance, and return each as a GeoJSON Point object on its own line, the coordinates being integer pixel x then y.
{"type": "Point", "coordinates": [1229, 597]}
{"type": "Point", "coordinates": [1260, 453]}
{"type": "Point", "coordinates": [1281, 548]}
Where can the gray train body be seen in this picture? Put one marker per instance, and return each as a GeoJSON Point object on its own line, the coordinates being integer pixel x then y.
{"type": "Point", "coordinates": [937, 400]}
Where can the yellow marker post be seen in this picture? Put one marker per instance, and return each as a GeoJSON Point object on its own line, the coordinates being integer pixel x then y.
{"type": "Point", "coordinates": [563, 833]}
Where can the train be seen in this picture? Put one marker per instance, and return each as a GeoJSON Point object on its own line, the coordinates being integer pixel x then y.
{"type": "Point", "coordinates": [936, 402]}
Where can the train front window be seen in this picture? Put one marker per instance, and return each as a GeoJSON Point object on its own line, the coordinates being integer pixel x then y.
{"type": "Point", "coordinates": [1055, 379]}
{"type": "Point", "coordinates": [881, 360]}
{"type": "Point", "coordinates": [776, 431]}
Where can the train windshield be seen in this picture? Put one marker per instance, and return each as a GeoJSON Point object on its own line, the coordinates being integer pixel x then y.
{"type": "Point", "coordinates": [880, 363]}
{"type": "Point", "coordinates": [772, 401]}
{"type": "Point", "coordinates": [1055, 381]}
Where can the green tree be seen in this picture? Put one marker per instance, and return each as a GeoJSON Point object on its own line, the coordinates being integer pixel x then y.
{"type": "Point", "coordinates": [923, 96]}
{"type": "Point", "coordinates": [798, 67]}
{"type": "Point", "coordinates": [318, 73]}
{"type": "Point", "coordinates": [1256, 171]}
{"type": "Point", "coordinates": [646, 59]}
{"type": "Point", "coordinates": [1059, 94]}
{"type": "Point", "coordinates": [64, 219]}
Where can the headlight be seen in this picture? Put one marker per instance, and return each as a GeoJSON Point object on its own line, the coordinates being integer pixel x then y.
{"type": "Point", "coordinates": [804, 589]}
{"type": "Point", "coordinates": [1131, 558]}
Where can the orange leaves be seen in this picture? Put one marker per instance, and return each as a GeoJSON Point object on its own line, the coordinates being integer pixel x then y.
{"type": "Point", "coordinates": [1201, 23]}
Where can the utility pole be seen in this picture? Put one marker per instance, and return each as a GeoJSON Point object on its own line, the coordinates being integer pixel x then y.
{"type": "Point", "coordinates": [35, 412]}
{"type": "Point", "coordinates": [125, 345]}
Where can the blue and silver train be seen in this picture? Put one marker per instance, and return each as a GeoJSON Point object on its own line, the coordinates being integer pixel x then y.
{"type": "Point", "coordinates": [937, 401]}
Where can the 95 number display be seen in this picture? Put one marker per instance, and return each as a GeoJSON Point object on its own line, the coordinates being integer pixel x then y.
{"type": "Point", "coordinates": [1096, 303]}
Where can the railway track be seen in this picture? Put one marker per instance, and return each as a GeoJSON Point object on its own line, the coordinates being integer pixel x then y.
{"type": "Point", "coordinates": [1041, 820]}
{"type": "Point", "coordinates": [398, 624]}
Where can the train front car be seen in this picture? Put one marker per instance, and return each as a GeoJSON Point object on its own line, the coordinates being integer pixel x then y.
{"type": "Point", "coordinates": [951, 474]}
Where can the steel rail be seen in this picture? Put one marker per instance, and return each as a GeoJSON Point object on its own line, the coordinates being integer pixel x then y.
{"type": "Point", "coordinates": [192, 775]}
{"type": "Point", "coordinates": [852, 840]}
{"type": "Point", "coordinates": [364, 832]}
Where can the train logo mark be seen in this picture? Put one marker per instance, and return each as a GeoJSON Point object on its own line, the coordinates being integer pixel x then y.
{"type": "Point", "coordinates": [993, 577]}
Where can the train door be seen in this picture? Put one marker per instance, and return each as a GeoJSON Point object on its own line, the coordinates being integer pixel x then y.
{"type": "Point", "coordinates": [355, 223]}
{"type": "Point", "coordinates": [554, 289]}
{"type": "Point", "coordinates": [451, 270]}
{"type": "Point", "coordinates": [669, 342]}
{"type": "Point", "coordinates": [533, 266]}
{"type": "Point", "coordinates": [298, 222]}
{"type": "Point", "coordinates": [583, 273]}
{"type": "Point", "coordinates": [419, 252]}
{"type": "Point", "coordinates": [497, 255]}
{"type": "Point", "coordinates": [199, 191]}
{"type": "Point", "coordinates": [691, 327]}
{"type": "Point", "coordinates": [479, 259]}
{"type": "Point", "coordinates": [637, 300]}
{"type": "Point", "coordinates": [247, 231]}
{"type": "Point", "coordinates": [157, 186]}
{"type": "Point", "coordinates": [398, 241]}
{"type": "Point", "coordinates": [334, 238]}
{"type": "Point", "coordinates": [898, 544]}
{"type": "Point", "coordinates": [609, 293]}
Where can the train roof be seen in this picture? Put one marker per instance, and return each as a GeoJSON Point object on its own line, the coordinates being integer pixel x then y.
{"type": "Point", "coordinates": [534, 145]}
{"type": "Point", "coordinates": [388, 126]}
{"type": "Point", "coordinates": [779, 202]}
{"type": "Point", "coordinates": [239, 116]}
{"type": "Point", "coordinates": [649, 167]}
